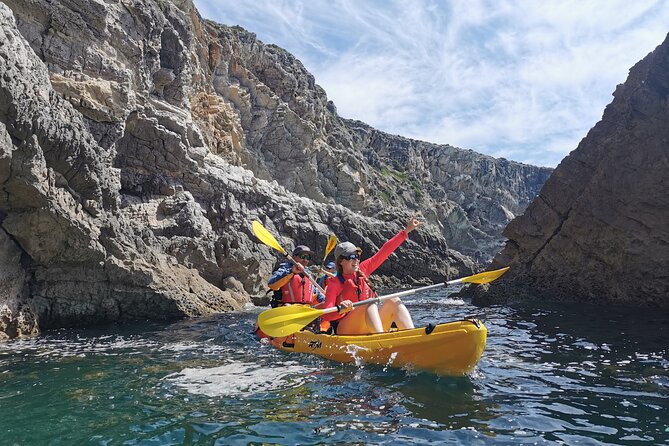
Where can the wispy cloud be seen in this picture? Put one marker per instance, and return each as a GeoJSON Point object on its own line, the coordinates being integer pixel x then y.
{"type": "Point", "coordinates": [520, 79]}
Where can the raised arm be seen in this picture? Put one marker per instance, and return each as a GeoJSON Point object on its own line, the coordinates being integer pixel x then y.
{"type": "Point", "coordinates": [370, 265]}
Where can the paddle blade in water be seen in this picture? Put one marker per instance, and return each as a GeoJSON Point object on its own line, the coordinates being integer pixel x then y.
{"type": "Point", "coordinates": [286, 320]}
{"type": "Point", "coordinates": [265, 237]}
{"type": "Point", "coordinates": [486, 276]}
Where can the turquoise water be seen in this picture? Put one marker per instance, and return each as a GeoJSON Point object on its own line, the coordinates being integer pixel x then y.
{"type": "Point", "coordinates": [550, 375]}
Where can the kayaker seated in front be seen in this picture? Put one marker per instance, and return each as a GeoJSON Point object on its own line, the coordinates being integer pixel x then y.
{"type": "Point", "coordinates": [350, 285]}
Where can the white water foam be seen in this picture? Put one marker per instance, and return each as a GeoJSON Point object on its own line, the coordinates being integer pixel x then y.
{"type": "Point", "coordinates": [450, 301]}
{"type": "Point", "coordinates": [353, 350]}
{"type": "Point", "coordinates": [62, 348]}
{"type": "Point", "coordinates": [239, 378]}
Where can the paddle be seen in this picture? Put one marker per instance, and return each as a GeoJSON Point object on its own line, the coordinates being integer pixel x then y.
{"type": "Point", "coordinates": [268, 239]}
{"type": "Point", "coordinates": [332, 241]}
{"type": "Point", "coordinates": [286, 320]}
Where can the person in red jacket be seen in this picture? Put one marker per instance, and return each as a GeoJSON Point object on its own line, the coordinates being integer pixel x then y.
{"type": "Point", "coordinates": [350, 285]}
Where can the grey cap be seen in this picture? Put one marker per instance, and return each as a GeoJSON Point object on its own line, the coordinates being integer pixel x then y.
{"type": "Point", "coordinates": [301, 249]}
{"type": "Point", "coordinates": [346, 249]}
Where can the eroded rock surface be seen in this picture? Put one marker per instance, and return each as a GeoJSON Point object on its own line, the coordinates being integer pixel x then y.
{"type": "Point", "coordinates": [138, 141]}
{"type": "Point", "coordinates": [599, 229]}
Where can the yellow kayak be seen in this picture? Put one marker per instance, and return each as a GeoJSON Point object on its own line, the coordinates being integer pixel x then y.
{"type": "Point", "coordinates": [453, 348]}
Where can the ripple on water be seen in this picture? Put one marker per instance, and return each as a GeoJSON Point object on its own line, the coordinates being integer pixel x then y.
{"type": "Point", "coordinates": [545, 378]}
{"type": "Point", "coordinates": [239, 379]}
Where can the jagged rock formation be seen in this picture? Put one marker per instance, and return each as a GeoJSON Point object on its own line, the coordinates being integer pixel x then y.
{"type": "Point", "coordinates": [137, 142]}
{"type": "Point", "coordinates": [286, 130]}
{"type": "Point", "coordinates": [599, 229]}
{"type": "Point", "coordinates": [469, 196]}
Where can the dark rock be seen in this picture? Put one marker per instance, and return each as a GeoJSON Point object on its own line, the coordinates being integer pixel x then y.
{"type": "Point", "coordinates": [599, 229]}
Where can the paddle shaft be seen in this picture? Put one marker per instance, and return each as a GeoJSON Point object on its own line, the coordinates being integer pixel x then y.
{"type": "Point", "coordinates": [306, 273]}
{"type": "Point", "coordinates": [376, 300]}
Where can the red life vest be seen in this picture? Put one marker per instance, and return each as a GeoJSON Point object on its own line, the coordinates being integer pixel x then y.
{"type": "Point", "coordinates": [354, 289]}
{"type": "Point", "coordinates": [298, 290]}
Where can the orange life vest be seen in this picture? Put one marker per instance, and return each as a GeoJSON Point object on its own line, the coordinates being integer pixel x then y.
{"type": "Point", "coordinates": [298, 290]}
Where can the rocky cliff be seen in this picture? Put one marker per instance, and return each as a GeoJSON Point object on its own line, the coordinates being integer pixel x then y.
{"type": "Point", "coordinates": [138, 141]}
{"type": "Point", "coordinates": [599, 229]}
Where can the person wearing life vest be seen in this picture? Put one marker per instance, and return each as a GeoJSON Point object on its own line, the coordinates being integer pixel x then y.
{"type": "Point", "coordinates": [351, 285]}
{"type": "Point", "coordinates": [326, 273]}
{"type": "Point", "coordinates": [291, 281]}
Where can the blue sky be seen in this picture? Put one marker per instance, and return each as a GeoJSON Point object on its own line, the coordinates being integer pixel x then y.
{"type": "Point", "coordinates": [523, 80]}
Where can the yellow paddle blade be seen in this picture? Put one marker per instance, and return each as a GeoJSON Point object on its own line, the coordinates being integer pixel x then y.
{"type": "Point", "coordinates": [286, 320]}
{"type": "Point", "coordinates": [265, 237]}
{"type": "Point", "coordinates": [486, 276]}
{"type": "Point", "coordinates": [332, 242]}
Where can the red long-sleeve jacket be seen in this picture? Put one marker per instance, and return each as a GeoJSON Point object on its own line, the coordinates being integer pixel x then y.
{"type": "Point", "coordinates": [353, 287]}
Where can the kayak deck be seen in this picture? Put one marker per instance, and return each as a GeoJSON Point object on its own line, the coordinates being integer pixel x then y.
{"type": "Point", "coordinates": [452, 348]}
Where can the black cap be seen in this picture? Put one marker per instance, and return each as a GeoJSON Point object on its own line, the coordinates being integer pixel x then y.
{"type": "Point", "coordinates": [300, 249]}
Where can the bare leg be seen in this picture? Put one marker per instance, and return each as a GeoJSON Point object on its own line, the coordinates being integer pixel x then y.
{"type": "Point", "coordinates": [374, 319]}
{"type": "Point", "coordinates": [393, 310]}
{"type": "Point", "coordinates": [361, 320]}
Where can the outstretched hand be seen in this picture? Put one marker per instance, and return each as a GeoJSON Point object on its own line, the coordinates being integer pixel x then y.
{"type": "Point", "coordinates": [413, 223]}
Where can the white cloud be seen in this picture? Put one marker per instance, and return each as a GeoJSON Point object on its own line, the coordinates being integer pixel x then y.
{"type": "Point", "coordinates": [520, 79]}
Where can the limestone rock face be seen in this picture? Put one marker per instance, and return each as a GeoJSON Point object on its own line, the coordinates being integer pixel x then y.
{"type": "Point", "coordinates": [470, 197]}
{"type": "Point", "coordinates": [284, 129]}
{"type": "Point", "coordinates": [138, 142]}
{"type": "Point", "coordinates": [599, 229]}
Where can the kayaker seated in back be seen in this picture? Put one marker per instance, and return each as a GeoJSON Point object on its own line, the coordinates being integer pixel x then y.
{"type": "Point", "coordinates": [350, 285]}
{"type": "Point", "coordinates": [290, 283]}
{"type": "Point", "coordinates": [326, 273]}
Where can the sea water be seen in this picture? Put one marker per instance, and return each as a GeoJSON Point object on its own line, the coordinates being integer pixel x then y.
{"type": "Point", "coordinates": [550, 374]}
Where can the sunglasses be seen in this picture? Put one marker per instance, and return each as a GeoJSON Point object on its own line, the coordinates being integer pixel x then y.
{"type": "Point", "coordinates": [351, 257]}
{"type": "Point", "coordinates": [305, 256]}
